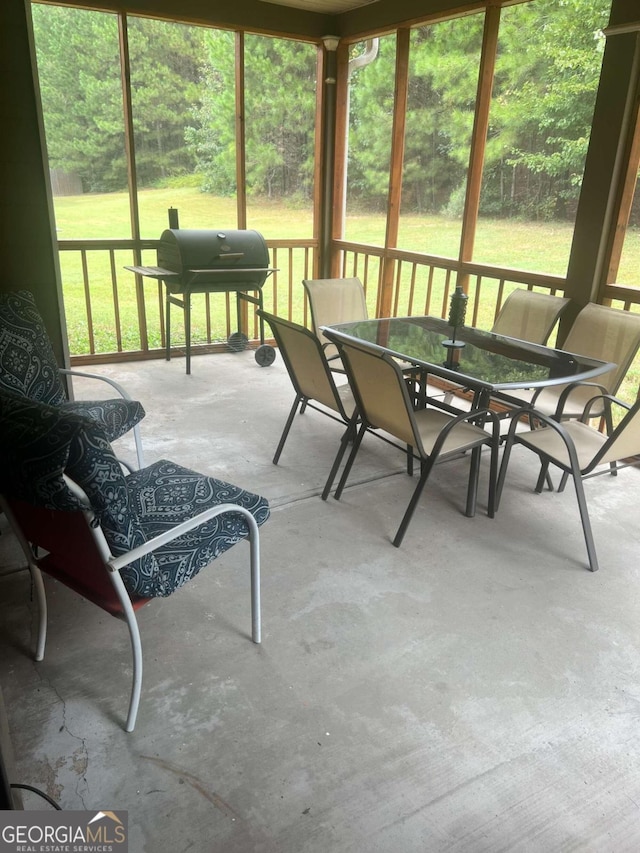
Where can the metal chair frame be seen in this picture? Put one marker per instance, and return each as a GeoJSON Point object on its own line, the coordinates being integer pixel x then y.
{"type": "Point", "coordinates": [567, 453]}
{"type": "Point", "coordinates": [410, 432]}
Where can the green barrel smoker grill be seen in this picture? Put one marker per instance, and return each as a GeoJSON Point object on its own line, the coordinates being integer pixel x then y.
{"type": "Point", "coordinates": [208, 261]}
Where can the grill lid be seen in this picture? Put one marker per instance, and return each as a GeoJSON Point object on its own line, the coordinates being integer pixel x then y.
{"type": "Point", "coordinates": [207, 258]}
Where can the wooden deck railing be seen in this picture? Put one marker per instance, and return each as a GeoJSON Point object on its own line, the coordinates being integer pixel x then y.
{"type": "Point", "coordinates": [114, 315]}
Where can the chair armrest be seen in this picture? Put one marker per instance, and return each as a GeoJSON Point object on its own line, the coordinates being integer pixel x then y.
{"type": "Point", "coordinates": [608, 399]}
{"type": "Point", "coordinates": [66, 372]}
{"type": "Point", "coordinates": [474, 414]}
{"type": "Point", "coordinates": [325, 346]}
{"type": "Point", "coordinates": [562, 399]}
{"type": "Point", "coordinates": [117, 563]}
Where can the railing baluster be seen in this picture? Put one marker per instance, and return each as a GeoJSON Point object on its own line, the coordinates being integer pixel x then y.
{"type": "Point", "coordinates": [290, 301]}
{"type": "Point", "coordinates": [476, 300]}
{"type": "Point", "coordinates": [116, 301]}
{"type": "Point", "coordinates": [412, 288]}
{"type": "Point", "coordinates": [396, 295]}
{"type": "Point", "coordinates": [445, 297]}
{"type": "Point", "coordinates": [87, 301]}
{"type": "Point", "coordinates": [427, 302]}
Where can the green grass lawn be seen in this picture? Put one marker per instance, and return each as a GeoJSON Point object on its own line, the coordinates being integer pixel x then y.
{"type": "Point", "coordinates": [531, 246]}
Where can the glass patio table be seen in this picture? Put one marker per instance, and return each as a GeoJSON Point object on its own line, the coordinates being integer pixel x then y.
{"type": "Point", "coordinates": [487, 364]}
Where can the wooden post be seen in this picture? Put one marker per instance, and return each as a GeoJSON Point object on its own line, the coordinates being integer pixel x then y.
{"type": "Point", "coordinates": [130, 151]}
{"type": "Point", "coordinates": [479, 138]}
{"type": "Point", "coordinates": [394, 198]}
{"type": "Point", "coordinates": [340, 151]}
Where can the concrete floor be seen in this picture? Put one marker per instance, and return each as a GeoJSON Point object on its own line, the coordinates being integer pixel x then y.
{"type": "Point", "coordinates": [476, 690]}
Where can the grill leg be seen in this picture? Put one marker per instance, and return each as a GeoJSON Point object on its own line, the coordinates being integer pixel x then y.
{"type": "Point", "coordinates": [167, 312]}
{"type": "Point", "coordinates": [187, 328]}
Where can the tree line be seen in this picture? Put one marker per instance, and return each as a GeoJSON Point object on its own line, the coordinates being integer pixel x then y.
{"type": "Point", "coordinates": [183, 104]}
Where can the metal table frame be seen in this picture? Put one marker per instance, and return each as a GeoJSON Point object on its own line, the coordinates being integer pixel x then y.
{"type": "Point", "coordinates": [563, 367]}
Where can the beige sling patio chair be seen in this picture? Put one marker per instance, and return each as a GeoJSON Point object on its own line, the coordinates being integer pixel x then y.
{"type": "Point", "coordinates": [430, 434]}
{"type": "Point", "coordinates": [577, 449]}
{"type": "Point", "coordinates": [598, 331]}
{"type": "Point", "coordinates": [313, 383]}
{"type": "Point", "coordinates": [332, 301]}
{"type": "Point", "coordinates": [529, 316]}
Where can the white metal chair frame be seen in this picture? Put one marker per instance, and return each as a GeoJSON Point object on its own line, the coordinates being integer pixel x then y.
{"type": "Point", "coordinates": [125, 396]}
{"type": "Point", "coordinates": [113, 565]}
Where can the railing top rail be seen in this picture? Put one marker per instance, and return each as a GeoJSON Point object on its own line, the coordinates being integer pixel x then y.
{"type": "Point", "coordinates": [103, 243]}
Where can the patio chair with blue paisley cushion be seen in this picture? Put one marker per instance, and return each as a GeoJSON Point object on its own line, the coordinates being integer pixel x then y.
{"type": "Point", "coordinates": [118, 539]}
{"type": "Point", "coordinates": [28, 367]}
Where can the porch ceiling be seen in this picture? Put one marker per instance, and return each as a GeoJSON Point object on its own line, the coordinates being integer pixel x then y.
{"type": "Point", "coordinates": [326, 7]}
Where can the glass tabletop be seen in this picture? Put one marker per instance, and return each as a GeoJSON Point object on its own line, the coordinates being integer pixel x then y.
{"type": "Point", "coordinates": [486, 361]}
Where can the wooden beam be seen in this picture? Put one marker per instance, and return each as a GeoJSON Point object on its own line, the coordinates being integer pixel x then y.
{"type": "Point", "coordinates": [254, 16]}
{"type": "Point", "coordinates": [340, 163]}
{"type": "Point", "coordinates": [324, 155]}
{"type": "Point", "coordinates": [241, 159]}
{"type": "Point", "coordinates": [479, 135]}
{"type": "Point", "coordinates": [624, 213]}
{"type": "Point", "coordinates": [394, 196]}
{"type": "Point", "coordinates": [606, 168]}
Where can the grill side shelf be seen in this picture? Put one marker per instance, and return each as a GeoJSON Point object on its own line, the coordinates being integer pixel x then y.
{"type": "Point", "coordinates": [153, 272]}
{"type": "Point", "coordinates": [159, 272]}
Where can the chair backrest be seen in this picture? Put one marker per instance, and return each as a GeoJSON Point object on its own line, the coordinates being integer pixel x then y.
{"type": "Point", "coordinates": [335, 300]}
{"type": "Point", "coordinates": [45, 445]}
{"type": "Point", "coordinates": [381, 392]}
{"type": "Point", "coordinates": [27, 362]}
{"type": "Point", "coordinates": [624, 441]}
{"type": "Point", "coordinates": [305, 362]}
{"type": "Point", "coordinates": [608, 334]}
{"type": "Point", "coordinates": [529, 316]}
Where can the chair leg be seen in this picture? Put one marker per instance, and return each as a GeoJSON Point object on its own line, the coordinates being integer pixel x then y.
{"type": "Point", "coordinates": [41, 598]}
{"type": "Point", "coordinates": [347, 468]}
{"type": "Point", "coordinates": [425, 469]}
{"type": "Point", "coordinates": [506, 453]}
{"type": "Point", "coordinates": [409, 460]}
{"type": "Point", "coordinates": [586, 523]}
{"type": "Point", "coordinates": [493, 476]}
{"type": "Point", "coordinates": [347, 436]}
{"type": "Point", "coordinates": [254, 544]}
{"type": "Point", "coordinates": [136, 648]}
{"type": "Point", "coordinates": [472, 489]}
{"type": "Point", "coordinates": [543, 477]}
{"type": "Point", "coordinates": [285, 432]}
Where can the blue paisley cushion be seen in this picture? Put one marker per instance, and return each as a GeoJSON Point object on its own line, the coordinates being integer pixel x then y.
{"type": "Point", "coordinates": [28, 367]}
{"type": "Point", "coordinates": [94, 467]}
{"type": "Point", "coordinates": [116, 417]}
{"type": "Point", "coordinates": [165, 494]}
{"type": "Point", "coordinates": [27, 362]}
{"type": "Point", "coordinates": [36, 439]}
{"type": "Point", "coordinates": [47, 441]}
